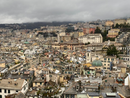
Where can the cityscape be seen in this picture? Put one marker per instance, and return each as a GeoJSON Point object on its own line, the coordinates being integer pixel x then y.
{"type": "Point", "coordinates": [73, 56]}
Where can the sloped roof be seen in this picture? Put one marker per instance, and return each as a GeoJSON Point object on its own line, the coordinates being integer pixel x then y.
{"type": "Point", "coordinates": [10, 83]}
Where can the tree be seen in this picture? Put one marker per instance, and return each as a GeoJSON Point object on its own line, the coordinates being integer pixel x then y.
{"type": "Point", "coordinates": [112, 51]}
{"type": "Point", "coordinates": [117, 25]}
{"type": "Point", "coordinates": [98, 30]}
{"type": "Point", "coordinates": [87, 43]}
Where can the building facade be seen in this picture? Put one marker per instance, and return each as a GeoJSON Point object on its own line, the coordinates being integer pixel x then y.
{"type": "Point", "coordinates": [113, 33]}
{"type": "Point", "coordinates": [11, 86]}
{"type": "Point", "coordinates": [91, 38]}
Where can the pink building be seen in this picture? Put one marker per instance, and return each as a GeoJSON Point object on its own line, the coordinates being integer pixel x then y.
{"type": "Point", "coordinates": [91, 30]}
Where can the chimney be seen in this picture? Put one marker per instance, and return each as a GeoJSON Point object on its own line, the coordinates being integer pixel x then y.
{"type": "Point", "coordinates": [10, 82]}
{"type": "Point", "coordinates": [15, 84]}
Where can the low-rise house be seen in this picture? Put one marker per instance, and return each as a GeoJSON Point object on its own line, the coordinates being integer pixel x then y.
{"type": "Point", "coordinates": [11, 86]}
{"type": "Point", "coordinates": [123, 38]}
{"type": "Point", "coordinates": [38, 82]}
{"type": "Point", "coordinates": [122, 67]}
{"type": "Point", "coordinates": [24, 74]}
{"type": "Point", "coordinates": [79, 90]}
{"type": "Point", "coordinates": [16, 95]}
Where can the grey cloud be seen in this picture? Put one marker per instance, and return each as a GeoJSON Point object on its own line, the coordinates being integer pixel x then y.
{"type": "Point", "coordinates": [17, 11]}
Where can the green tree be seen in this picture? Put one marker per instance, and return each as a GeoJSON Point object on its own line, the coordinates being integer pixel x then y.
{"type": "Point", "coordinates": [117, 25]}
{"type": "Point", "coordinates": [98, 30]}
{"type": "Point", "coordinates": [87, 43]}
{"type": "Point", "coordinates": [112, 51]}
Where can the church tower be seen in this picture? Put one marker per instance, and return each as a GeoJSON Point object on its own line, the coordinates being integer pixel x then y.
{"type": "Point", "coordinates": [88, 56]}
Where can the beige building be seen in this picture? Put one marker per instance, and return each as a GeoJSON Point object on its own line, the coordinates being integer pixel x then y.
{"type": "Point", "coordinates": [119, 21]}
{"type": "Point", "coordinates": [109, 23]}
{"type": "Point", "coordinates": [2, 64]}
{"type": "Point", "coordinates": [38, 82]}
{"type": "Point", "coordinates": [100, 62]}
{"type": "Point", "coordinates": [113, 33]}
{"type": "Point", "coordinates": [80, 34]}
{"type": "Point", "coordinates": [128, 21]}
{"type": "Point", "coordinates": [91, 38]}
{"type": "Point", "coordinates": [106, 61]}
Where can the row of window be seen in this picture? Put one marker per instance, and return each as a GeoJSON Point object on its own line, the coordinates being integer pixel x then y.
{"type": "Point", "coordinates": [70, 96]}
{"type": "Point", "coordinates": [109, 59]}
{"type": "Point", "coordinates": [40, 83]}
{"type": "Point", "coordinates": [127, 59]}
{"type": "Point", "coordinates": [106, 61]}
{"type": "Point", "coordinates": [107, 64]}
{"type": "Point", "coordinates": [106, 68]}
{"type": "Point", "coordinates": [68, 73]}
{"type": "Point", "coordinates": [6, 91]}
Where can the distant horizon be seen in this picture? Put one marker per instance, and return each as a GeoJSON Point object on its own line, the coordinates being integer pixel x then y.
{"type": "Point", "coordinates": [65, 21]}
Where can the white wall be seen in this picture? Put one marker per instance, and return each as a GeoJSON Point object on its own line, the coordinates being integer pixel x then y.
{"type": "Point", "coordinates": [91, 39]}
{"type": "Point", "coordinates": [4, 94]}
{"type": "Point", "coordinates": [126, 81]}
{"type": "Point", "coordinates": [25, 84]}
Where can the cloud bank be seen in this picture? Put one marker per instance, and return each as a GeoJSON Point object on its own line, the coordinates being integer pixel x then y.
{"type": "Point", "coordinates": [18, 11]}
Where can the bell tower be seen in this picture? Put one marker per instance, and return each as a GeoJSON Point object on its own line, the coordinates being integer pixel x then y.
{"type": "Point", "coordinates": [88, 56]}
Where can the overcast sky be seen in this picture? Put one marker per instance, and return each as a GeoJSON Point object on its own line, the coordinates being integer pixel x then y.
{"type": "Point", "coordinates": [18, 11]}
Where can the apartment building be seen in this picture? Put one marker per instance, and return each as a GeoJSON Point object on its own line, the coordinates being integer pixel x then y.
{"type": "Point", "coordinates": [113, 33]}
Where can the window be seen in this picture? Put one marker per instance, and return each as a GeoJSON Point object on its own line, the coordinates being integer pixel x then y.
{"type": "Point", "coordinates": [5, 90]}
{"type": "Point", "coordinates": [24, 87]}
{"type": "Point", "coordinates": [112, 59]}
{"type": "Point", "coordinates": [35, 83]}
{"type": "Point", "coordinates": [108, 58]}
{"type": "Point", "coordinates": [8, 91]}
{"type": "Point", "coordinates": [16, 90]}
{"type": "Point", "coordinates": [67, 96]}
{"type": "Point", "coordinates": [104, 64]}
{"type": "Point", "coordinates": [104, 58]}
{"type": "Point", "coordinates": [0, 96]}
{"type": "Point", "coordinates": [72, 96]}
{"type": "Point", "coordinates": [0, 90]}
{"type": "Point", "coordinates": [40, 83]}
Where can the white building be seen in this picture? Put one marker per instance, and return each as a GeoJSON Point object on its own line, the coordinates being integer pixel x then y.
{"type": "Point", "coordinates": [127, 80]}
{"type": "Point", "coordinates": [91, 38]}
{"type": "Point", "coordinates": [11, 86]}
